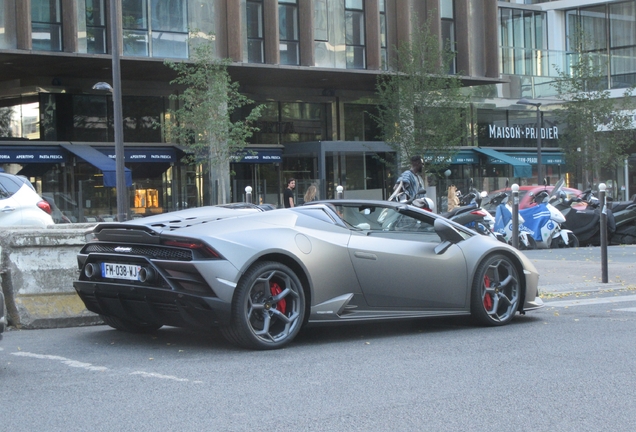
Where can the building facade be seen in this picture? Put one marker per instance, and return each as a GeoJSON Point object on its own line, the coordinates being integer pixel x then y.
{"type": "Point", "coordinates": [312, 63]}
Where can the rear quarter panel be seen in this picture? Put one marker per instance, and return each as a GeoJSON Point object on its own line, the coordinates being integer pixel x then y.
{"type": "Point", "coordinates": [318, 247]}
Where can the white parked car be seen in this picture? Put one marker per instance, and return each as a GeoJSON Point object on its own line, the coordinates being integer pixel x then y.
{"type": "Point", "coordinates": [20, 204]}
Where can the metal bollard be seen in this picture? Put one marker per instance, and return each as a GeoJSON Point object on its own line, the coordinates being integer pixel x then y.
{"type": "Point", "coordinates": [339, 192]}
{"type": "Point", "coordinates": [248, 194]}
{"type": "Point", "coordinates": [602, 198]}
{"type": "Point", "coordinates": [515, 215]}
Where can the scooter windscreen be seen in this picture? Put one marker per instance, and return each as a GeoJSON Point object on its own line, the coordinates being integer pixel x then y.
{"type": "Point", "coordinates": [557, 188]}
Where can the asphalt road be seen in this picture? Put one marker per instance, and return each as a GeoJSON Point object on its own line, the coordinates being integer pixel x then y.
{"type": "Point", "coordinates": [566, 367]}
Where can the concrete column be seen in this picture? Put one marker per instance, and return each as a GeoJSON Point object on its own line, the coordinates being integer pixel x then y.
{"type": "Point", "coordinates": [434, 13]}
{"type": "Point", "coordinates": [306, 28]}
{"type": "Point", "coordinates": [462, 36]}
{"type": "Point", "coordinates": [402, 21]}
{"type": "Point", "coordinates": [234, 36]}
{"type": "Point", "coordinates": [491, 42]}
{"type": "Point", "coordinates": [270, 24]}
{"type": "Point", "coordinates": [23, 27]}
{"type": "Point", "coordinates": [391, 30]}
{"type": "Point", "coordinates": [372, 24]}
{"type": "Point", "coordinates": [69, 25]}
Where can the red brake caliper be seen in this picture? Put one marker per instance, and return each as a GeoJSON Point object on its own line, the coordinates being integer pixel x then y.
{"type": "Point", "coordinates": [276, 289]}
{"type": "Point", "coordinates": [487, 297]}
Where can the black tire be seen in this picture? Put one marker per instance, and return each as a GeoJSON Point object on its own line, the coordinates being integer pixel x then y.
{"type": "Point", "coordinates": [130, 326]}
{"type": "Point", "coordinates": [532, 243]}
{"type": "Point", "coordinates": [573, 242]}
{"type": "Point", "coordinates": [268, 308]}
{"type": "Point", "coordinates": [496, 291]}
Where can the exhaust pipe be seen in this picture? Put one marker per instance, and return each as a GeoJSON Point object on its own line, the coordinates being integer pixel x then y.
{"type": "Point", "coordinates": [91, 270]}
{"type": "Point", "coordinates": [146, 275]}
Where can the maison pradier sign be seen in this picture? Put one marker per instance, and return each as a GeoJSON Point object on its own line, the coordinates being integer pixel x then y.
{"type": "Point", "coordinates": [522, 132]}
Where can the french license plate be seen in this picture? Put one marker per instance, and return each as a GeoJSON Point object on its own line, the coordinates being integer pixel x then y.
{"type": "Point", "coordinates": [120, 271]}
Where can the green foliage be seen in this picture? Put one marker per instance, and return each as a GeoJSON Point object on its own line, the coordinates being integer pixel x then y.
{"type": "Point", "coordinates": [6, 114]}
{"type": "Point", "coordinates": [597, 126]}
{"type": "Point", "coordinates": [422, 108]}
{"type": "Point", "coordinates": [203, 120]}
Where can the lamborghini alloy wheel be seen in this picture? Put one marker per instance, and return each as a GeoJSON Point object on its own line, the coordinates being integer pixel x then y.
{"type": "Point", "coordinates": [268, 307]}
{"type": "Point", "coordinates": [496, 291]}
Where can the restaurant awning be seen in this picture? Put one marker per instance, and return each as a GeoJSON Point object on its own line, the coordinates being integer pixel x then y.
{"type": "Point", "coordinates": [521, 169]}
{"type": "Point", "coordinates": [100, 161]}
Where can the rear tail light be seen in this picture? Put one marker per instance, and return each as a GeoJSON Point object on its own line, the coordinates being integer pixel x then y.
{"type": "Point", "coordinates": [196, 245]}
{"type": "Point", "coordinates": [479, 213]}
{"type": "Point", "coordinates": [44, 206]}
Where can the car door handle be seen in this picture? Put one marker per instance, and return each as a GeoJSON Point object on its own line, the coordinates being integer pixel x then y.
{"type": "Point", "coordinates": [365, 255]}
{"type": "Point", "coordinates": [7, 209]}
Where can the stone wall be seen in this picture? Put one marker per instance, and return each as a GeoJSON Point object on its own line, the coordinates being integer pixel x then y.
{"type": "Point", "coordinates": [37, 269]}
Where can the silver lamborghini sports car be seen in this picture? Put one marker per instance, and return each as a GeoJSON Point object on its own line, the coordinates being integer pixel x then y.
{"type": "Point", "coordinates": [260, 276]}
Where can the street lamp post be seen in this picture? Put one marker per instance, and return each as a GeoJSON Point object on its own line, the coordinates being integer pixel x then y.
{"type": "Point", "coordinates": [525, 101]}
{"type": "Point", "coordinates": [120, 175]}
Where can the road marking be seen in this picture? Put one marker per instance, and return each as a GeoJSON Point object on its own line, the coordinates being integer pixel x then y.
{"type": "Point", "coordinates": [90, 367]}
{"type": "Point", "coordinates": [586, 302]}
{"type": "Point", "coordinates": [68, 362]}
{"type": "Point", "coordinates": [156, 375]}
{"type": "Point", "coordinates": [627, 309]}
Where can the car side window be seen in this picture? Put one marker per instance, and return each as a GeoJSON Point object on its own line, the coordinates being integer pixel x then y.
{"type": "Point", "coordinates": [389, 222]}
{"type": "Point", "coordinates": [7, 188]}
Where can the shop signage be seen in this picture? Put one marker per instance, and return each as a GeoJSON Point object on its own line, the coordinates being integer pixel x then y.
{"type": "Point", "coordinates": [522, 132]}
{"type": "Point", "coordinates": [546, 158]}
{"type": "Point", "coordinates": [258, 156]}
{"type": "Point", "coordinates": [144, 154]}
{"type": "Point", "coordinates": [31, 155]}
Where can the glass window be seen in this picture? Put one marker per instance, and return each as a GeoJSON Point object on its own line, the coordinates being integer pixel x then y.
{"type": "Point", "coordinates": [593, 22]}
{"type": "Point", "coordinates": [95, 26]}
{"type": "Point", "coordinates": [446, 9]}
{"type": "Point", "coordinates": [448, 31]}
{"type": "Point", "coordinates": [156, 28]}
{"type": "Point", "coordinates": [330, 46]}
{"type": "Point", "coordinates": [288, 32]}
{"type": "Point", "coordinates": [135, 28]}
{"type": "Point", "coordinates": [7, 25]}
{"type": "Point", "coordinates": [623, 44]}
{"type": "Point", "coordinates": [302, 122]}
{"type": "Point", "coordinates": [19, 117]}
{"type": "Point", "coordinates": [622, 24]}
{"type": "Point", "coordinates": [46, 25]}
{"type": "Point", "coordinates": [523, 42]}
{"type": "Point", "coordinates": [255, 39]}
{"type": "Point", "coordinates": [90, 117]}
{"type": "Point", "coordinates": [359, 123]}
{"type": "Point", "coordinates": [321, 20]}
{"type": "Point", "coordinates": [355, 34]}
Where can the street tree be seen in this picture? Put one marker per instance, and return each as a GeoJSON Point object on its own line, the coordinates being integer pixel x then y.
{"type": "Point", "coordinates": [421, 105]}
{"type": "Point", "coordinates": [203, 121]}
{"type": "Point", "coordinates": [597, 127]}
{"type": "Point", "coordinates": [6, 114]}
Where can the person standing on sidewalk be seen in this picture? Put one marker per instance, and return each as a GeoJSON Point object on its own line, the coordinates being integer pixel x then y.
{"type": "Point", "coordinates": [288, 196]}
{"type": "Point", "coordinates": [411, 179]}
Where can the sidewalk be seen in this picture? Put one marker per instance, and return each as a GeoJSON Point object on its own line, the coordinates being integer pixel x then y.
{"type": "Point", "coordinates": [579, 269]}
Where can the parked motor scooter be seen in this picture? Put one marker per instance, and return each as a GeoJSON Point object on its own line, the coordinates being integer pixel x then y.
{"type": "Point", "coordinates": [543, 222]}
{"type": "Point", "coordinates": [625, 219]}
{"type": "Point", "coordinates": [471, 215]}
{"type": "Point", "coordinates": [503, 222]}
{"type": "Point", "coordinates": [584, 222]}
